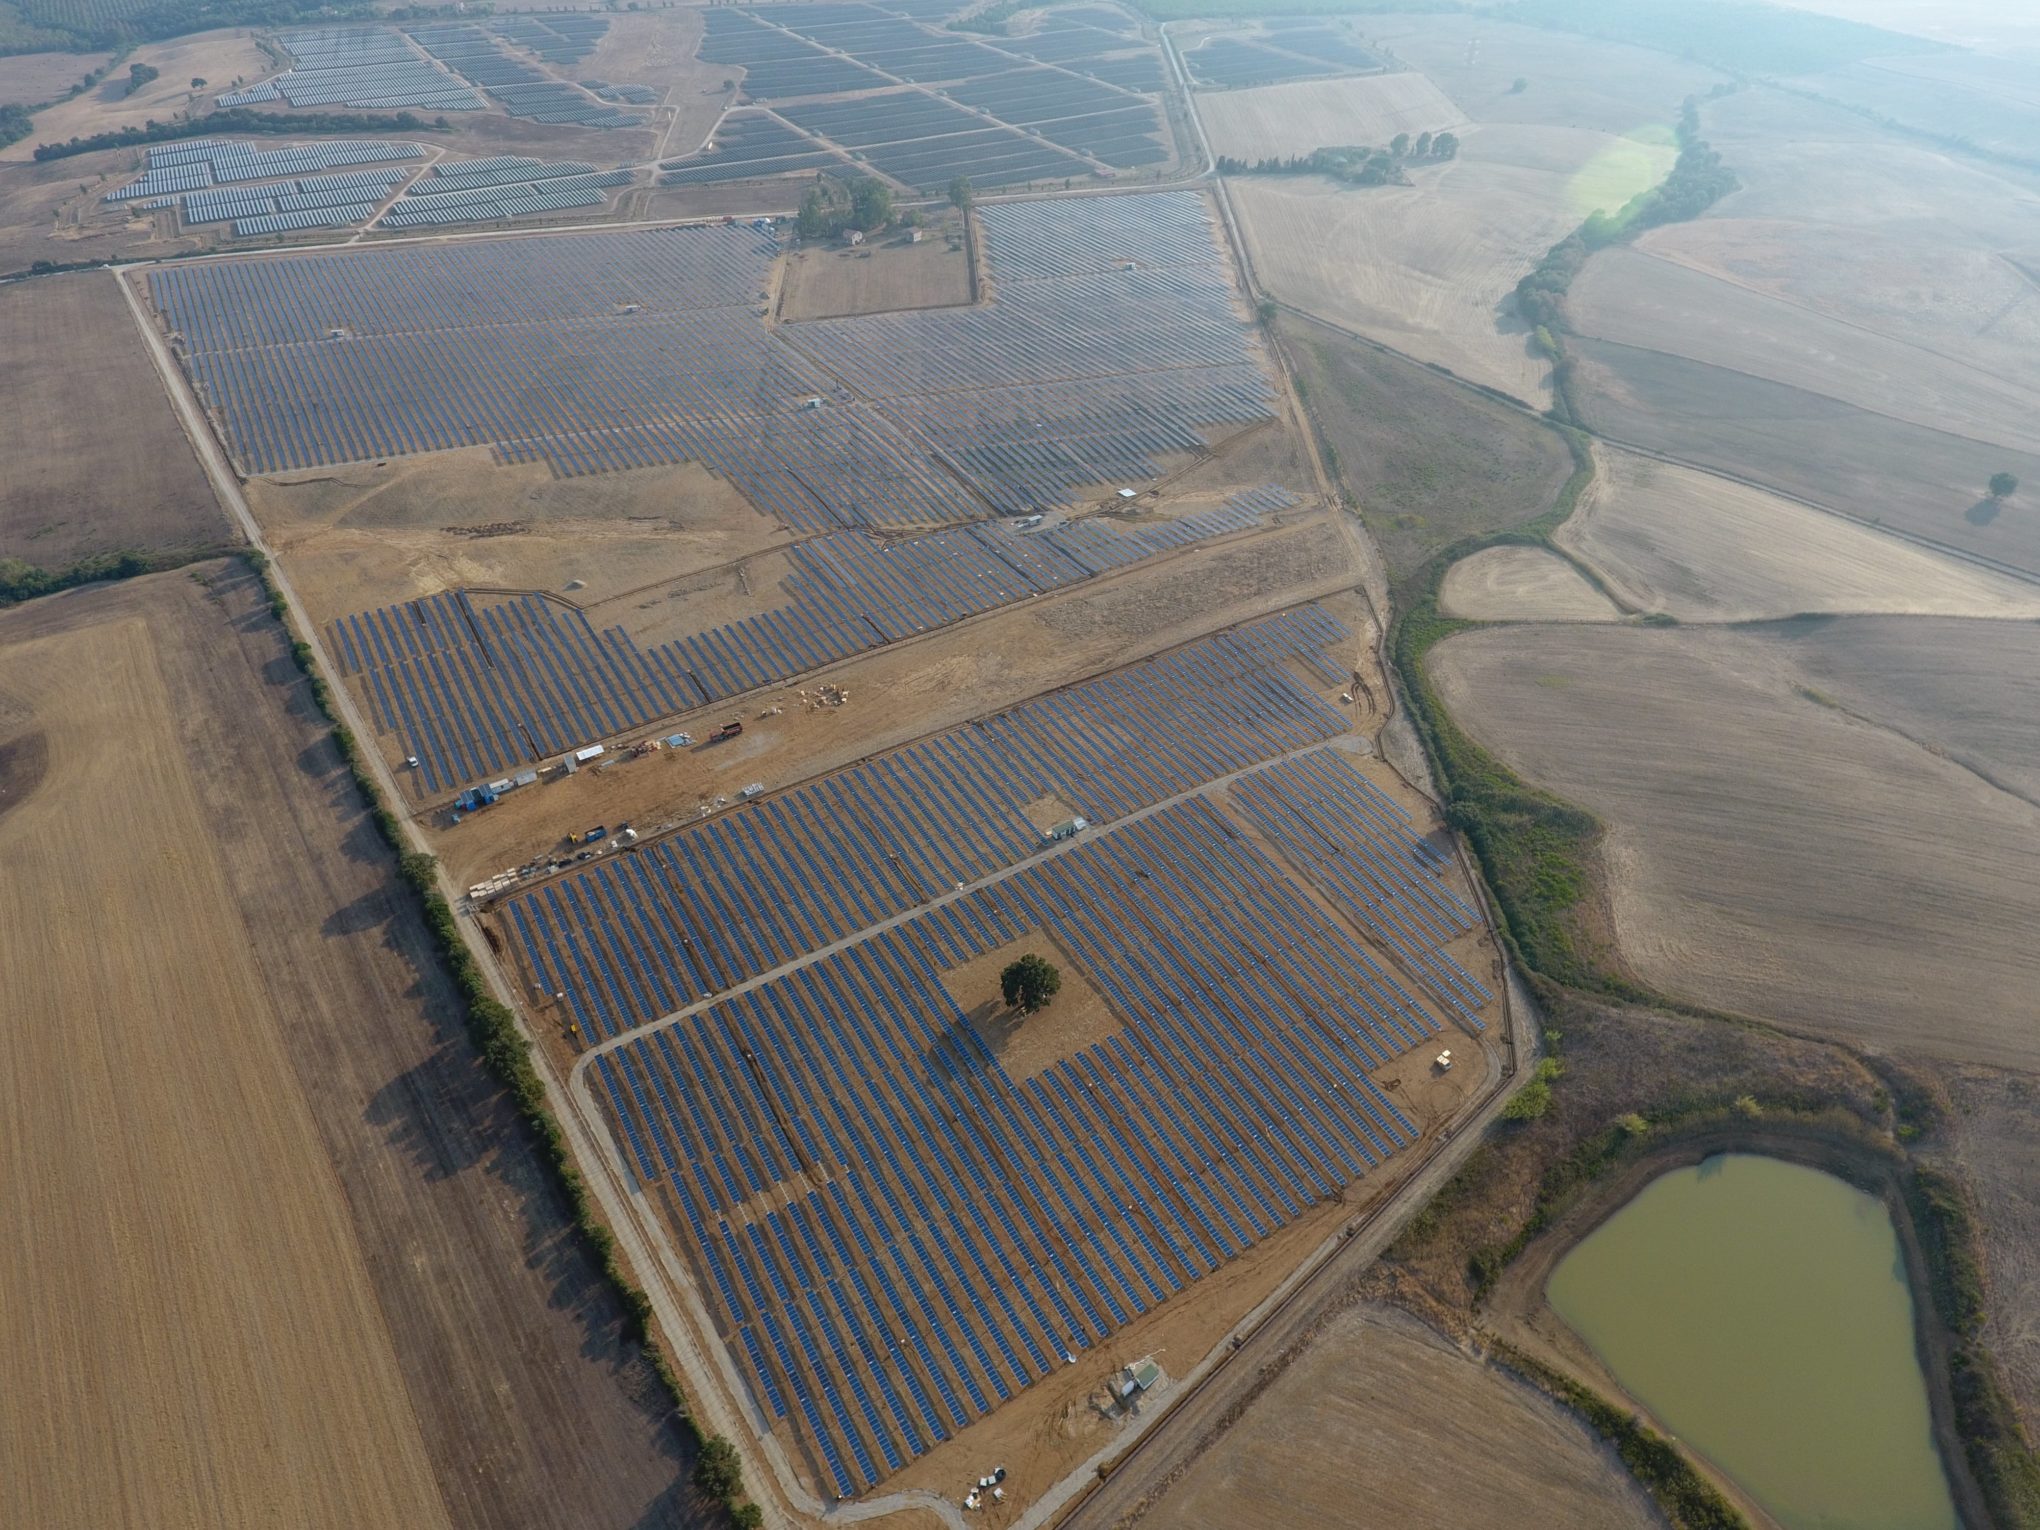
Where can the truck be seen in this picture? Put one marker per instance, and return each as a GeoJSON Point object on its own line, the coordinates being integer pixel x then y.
{"type": "Point", "coordinates": [728, 730]}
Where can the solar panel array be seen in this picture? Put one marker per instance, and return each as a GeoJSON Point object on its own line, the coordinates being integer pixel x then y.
{"type": "Point", "coordinates": [197, 165]}
{"type": "Point", "coordinates": [1360, 849]}
{"type": "Point", "coordinates": [358, 66]}
{"type": "Point", "coordinates": [565, 39]}
{"type": "Point", "coordinates": [1028, 124]}
{"type": "Point", "coordinates": [471, 688]}
{"type": "Point", "coordinates": [467, 191]}
{"type": "Point", "coordinates": [893, 1233]}
{"type": "Point", "coordinates": [751, 145]}
{"type": "Point", "coordinates": [519, 88]}
{"type": "Point", "coordinates": [1079, 373]}
{"type": "Point", "coordinates": [924, 142]}
{"type": "Point", "coordinates": [1229, 61]}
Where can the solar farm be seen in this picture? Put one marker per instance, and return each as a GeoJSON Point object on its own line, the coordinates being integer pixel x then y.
{"type": "Point", "coordinates": [900, 1210]}
{"type": "Point", "coordinates": [1293, 50]}
{"type": "Point", "coordinates": [920, 105]}
{"type": "Point", "coordinates": [894, 1235]}
{"type": "Point", "coordinates": [258, 190]}
{"type": "Point", "coordinates": [338, 358]}
{"type": "Point", "coordinates": [443, 68]}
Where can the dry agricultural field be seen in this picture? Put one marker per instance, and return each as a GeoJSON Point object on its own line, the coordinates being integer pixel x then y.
{"type": "Point", "coordinates": [1275, 121]}
{"type": "Point", "coordinates": [221, 59]}
{"type": "Point", "coordinates": [1770, 851]}
{"type": "Point", "coordinates": [267, 1203]}
{"type": "Point", "coordinates": [1521, 584]}
{"type": "Point", "coordinates": [95, 458]}
{"type": "Point", "coordinates": [1703, 548]}
{"type": "Point", "coordinates": [1382, 1422]}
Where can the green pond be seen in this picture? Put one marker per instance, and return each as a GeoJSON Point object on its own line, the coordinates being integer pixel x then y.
{"type": "Point", "coordinates": [1761, 1311]}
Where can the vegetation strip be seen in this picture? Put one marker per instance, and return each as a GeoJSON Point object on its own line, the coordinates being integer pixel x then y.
{"type": "Point", "coordinates": [239, 119]}
{"type": "Point", "coordinates": [21, 581]}
{"type": "Point", "coordinates": [507, 1055]}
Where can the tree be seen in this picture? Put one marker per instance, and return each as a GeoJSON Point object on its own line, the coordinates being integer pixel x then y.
{"type": "Point", "coordinates": [815, 215]}
{"type": "Point", "coordinates": [1029, 983]}
{"type": "Point", "coordinates": [1399, 145]}
{"type": "Point", "coordinates": [198, 82]}
{"type": "Point", "coordinates": [1519, 86]}
{"type": "Point", "coordinates": [138, 76]}
{"type": "Point", "coordinates": [719, 1470]}
{"type": "Point", "coordinates": [960, 193]}
{"type": "Point", "coordinates": [2003, 485]}
{"type": "Point", "coordinates": [870, 204]}
{"type": "Point", "coordinates": [1422, 148]}
{"type": "Point", "coordinates": [1445, 146]}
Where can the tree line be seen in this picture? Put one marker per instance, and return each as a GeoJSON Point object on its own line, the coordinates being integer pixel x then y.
{"type": "Point", "coordinates": [1698, 180]}
{"type": "Point", "coordinates": [830, 207]}
{"type": "Point", "coordinates": [1357, 165]}
{"type": "Point", "coordinates": [237, 119]}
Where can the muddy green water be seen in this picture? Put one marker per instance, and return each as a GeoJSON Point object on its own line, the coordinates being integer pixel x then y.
{"type": "Point", "coordinates": [1761, 1310]}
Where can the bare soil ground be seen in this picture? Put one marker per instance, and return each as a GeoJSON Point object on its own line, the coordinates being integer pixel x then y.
{"type": "Point", "coordinates": [1995, 1149]}
{"type": "Point", "coordinates": [826, 282]}
{"type": "Point", "coordinates": [1704, 548]}
{"type": "Point", "coordinates": [1337, 1438]}
{"type": "Point", "coordinates": [1768, 852]}
{"type": "Point", "coordinates": [367, 535]}
{"type": "Point", "coordinates": [1922, 482]}
{"type": "Point", "coordinates": [1275, 121]}
{"type": "Point", "coordinates": [1426, 462]}
{"type": "Point", "coordinates": [29, 78]}
{"type": "Point", "coordinates": [1572, 81]}
{"type": "Point", "coordinates": [658, 51]}
{"type": "Point", "coordinates": [1632, 298]}
{"type": "Point", "coordinates": [337, 1196]}
{"type": "Point", "coordinates": [183, 1255]}
{"type": "Point", "coordinates": [95, 458]}
{"type": "Point", "coordinates": [221, 59]}
{"type": "Point", "coordinates": [1078, 1016]}
{"type": "Point", "coordinates": [1521, 584]}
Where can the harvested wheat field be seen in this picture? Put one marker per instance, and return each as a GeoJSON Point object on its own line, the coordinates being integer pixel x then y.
{"type": "Point", "coordinates": [265, 1200]}
{"type": "Point", "coordinates": [1928, 484]}
{"type": "Point", "coordinates": [74, 486]}
{"type": "Point", "coordinates": [1632, 298]}
{"type": "Point", "coordinates": [1383, 1425]}
{"type": "Point", "coordinates": [1431, 268]}
{"type": "Point", "coordinates": [1768, 852]}
{"type": "Point", "coordinates": [184, 1300]}
{"type": "Point", "coordinates": [1958, 297]}
{"type": "Point", "coordinates": [1966, 690]}
{"type": "Point", "coordinates": [1275, 121]}
{"type": "Point", "coordinates": [1521, 584]}
{"type": "Point", "coordinates": [1703, 548]}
